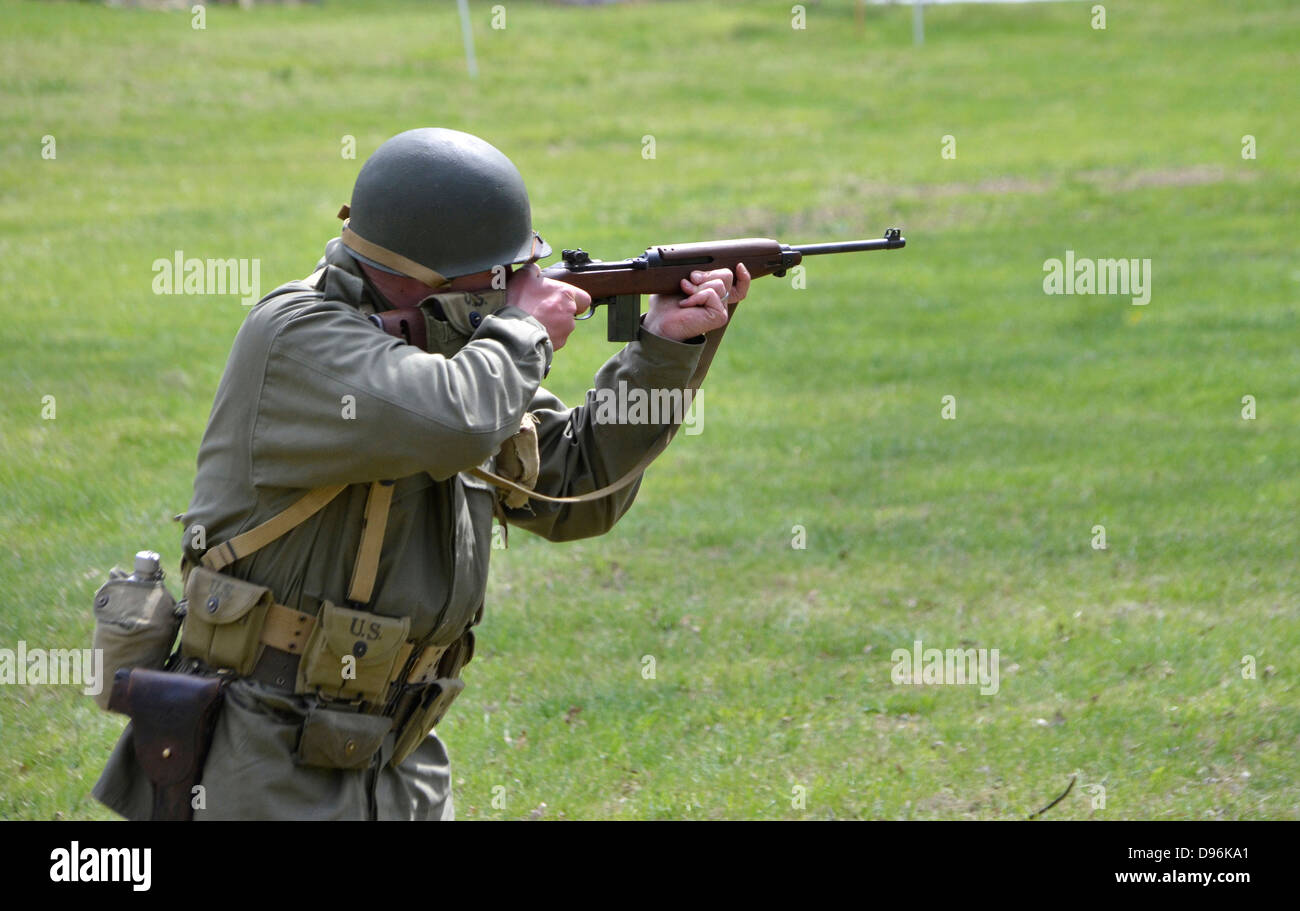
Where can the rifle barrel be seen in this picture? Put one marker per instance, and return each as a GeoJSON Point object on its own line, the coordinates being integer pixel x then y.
{"type": "Point", "coordinates": [891, 241]}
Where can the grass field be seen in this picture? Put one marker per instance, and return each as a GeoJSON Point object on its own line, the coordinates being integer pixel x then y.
{"type": "Point", "coordinates": [772, 662]}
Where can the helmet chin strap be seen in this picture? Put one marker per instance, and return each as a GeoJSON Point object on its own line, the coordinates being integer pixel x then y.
{"type": "Point", "coordinates": [385, 257]}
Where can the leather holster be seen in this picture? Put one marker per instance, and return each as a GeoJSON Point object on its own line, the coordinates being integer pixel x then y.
{"type": "Point", "coordinates": [173, 716]}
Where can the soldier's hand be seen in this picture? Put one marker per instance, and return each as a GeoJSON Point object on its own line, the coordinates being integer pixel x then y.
{"type": "Point", "coordinates": [553, 304]}
{"type": "Point", "coordinates": [701, 308]}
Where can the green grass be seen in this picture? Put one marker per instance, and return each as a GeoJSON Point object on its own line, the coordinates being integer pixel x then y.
{"type": "Point", "coordinates": [823, 409]}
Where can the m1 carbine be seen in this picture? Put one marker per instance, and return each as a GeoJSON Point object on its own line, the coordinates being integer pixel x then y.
{"type": "Point", "coordinates": [619, 285]}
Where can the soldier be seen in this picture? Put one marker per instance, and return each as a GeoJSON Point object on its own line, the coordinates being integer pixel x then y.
{"type": "Point", "coordinates": [336, 547]}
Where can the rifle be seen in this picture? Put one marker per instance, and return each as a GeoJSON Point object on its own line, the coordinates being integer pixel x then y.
{"type": "Point", "coordinates": [619, 285]}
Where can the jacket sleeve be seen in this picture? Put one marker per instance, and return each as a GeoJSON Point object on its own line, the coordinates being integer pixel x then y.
{"type": "Point", "coordinates": [343, 402]}
{"type": "Point", "coordinates": [581, 449]}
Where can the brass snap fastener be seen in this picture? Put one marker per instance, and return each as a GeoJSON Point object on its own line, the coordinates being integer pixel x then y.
{"type": "Point", "coordinates": [212, 604]}
{"type": "Point", "coordinates": [359, 648]}
{"type": "Point", "coordinates": [350, 747]}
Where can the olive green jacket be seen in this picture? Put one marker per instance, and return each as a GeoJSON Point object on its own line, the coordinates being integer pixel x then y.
{"type": "Point", "coordinates": [314, 394]}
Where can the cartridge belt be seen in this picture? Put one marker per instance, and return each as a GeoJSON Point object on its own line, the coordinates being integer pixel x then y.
{"type": "Point", "coordinates": [285, 634]}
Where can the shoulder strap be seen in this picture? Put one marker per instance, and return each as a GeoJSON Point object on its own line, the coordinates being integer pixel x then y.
{"type": "Point", "coordinates": [373, 526]}
{"type": "Point", "coordinates": [222, 555]}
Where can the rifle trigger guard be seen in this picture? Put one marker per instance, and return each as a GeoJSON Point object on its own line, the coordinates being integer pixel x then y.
{"type": "Point", "coordinates": [591, 311]}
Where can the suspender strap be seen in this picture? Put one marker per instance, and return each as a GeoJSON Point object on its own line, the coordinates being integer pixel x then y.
{"type": "Point", "coordinates": [372, 534]}
{"type": "Point", "coordinates": [372, 542]}
{"type": "Point", "coordinates": [222, 555]}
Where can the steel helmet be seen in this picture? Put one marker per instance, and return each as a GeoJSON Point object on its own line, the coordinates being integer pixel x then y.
{"type": "Point", "coordinates": [435, 204]}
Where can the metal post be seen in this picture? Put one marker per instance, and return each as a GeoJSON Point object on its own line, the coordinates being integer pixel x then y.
{"type": "Point", "coordinates": [918, 22]}
{"type": "Point", "coordinates": [467, 33]}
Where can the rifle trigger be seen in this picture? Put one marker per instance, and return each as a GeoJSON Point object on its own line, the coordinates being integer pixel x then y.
{"type": "Point", "coordinates": [591, 311]}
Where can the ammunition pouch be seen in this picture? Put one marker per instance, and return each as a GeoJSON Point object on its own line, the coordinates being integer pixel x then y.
{"type": "Point", "coordinates": [351, 654]}
{"type": "Point", "coordinates": [421, 708]}
{"type": "Point", "coordinates": [172, 717]}
{"type": "Point", "coordinates": [428, 705]}
{"type": "Point", "coordinates": [348, 738]}
{"type": "Point", "coordinates": [458, 654]}
{"type": "Point", "coordinates": [333, 739]}
{"type": "Point", "coordinates": [135, 626]}
{"type": "Point", "coordinates": [223, 620]}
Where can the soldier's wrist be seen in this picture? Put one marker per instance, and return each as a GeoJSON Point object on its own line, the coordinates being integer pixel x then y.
{"type": "Point", "coordinates": [648, 328]}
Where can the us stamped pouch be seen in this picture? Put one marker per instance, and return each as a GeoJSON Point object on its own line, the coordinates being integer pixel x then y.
{"type": "Point", "coordinates": [224, 617]}
{"type": "Point", "coordinates": [351, 654]}
{"type": "Point", "coordinates": [340, 740]}
{"type": "Point", "coordinates": [135, 626]}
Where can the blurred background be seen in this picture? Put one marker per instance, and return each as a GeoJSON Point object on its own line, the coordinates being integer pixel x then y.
{"type": "Point", "coordinates": [837, 505]}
